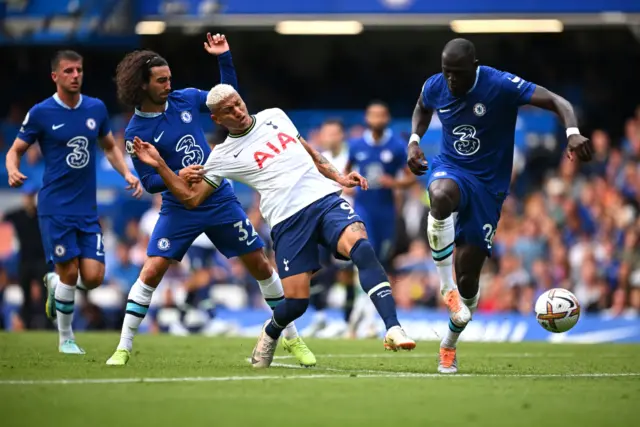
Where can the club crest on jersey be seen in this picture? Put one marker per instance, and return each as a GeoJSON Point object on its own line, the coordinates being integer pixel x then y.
{"type": "Point", "coordinates": [186, 117]}
{"type": "Point", "coordinates": [128, 146]}
{"type": "Point", "coordinates": [60, 250]}
{"type": "Point", "coordinates": [479, 110]}
{"type": "Point", "coordinates": [386, 156]}
{"type": "Point", "coordinates": [91, 124]}
{"type": "Point", "coordinates": [164, 244]}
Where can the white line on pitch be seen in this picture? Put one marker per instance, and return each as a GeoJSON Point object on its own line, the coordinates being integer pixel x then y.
{"type": "Point", "coordinates": [301, 377]}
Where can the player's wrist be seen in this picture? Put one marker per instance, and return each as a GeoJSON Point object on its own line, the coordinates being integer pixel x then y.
{"type": "Point", "coordinates": [572, 131]}
{"type": "Point", "coordinates": [414, 138]}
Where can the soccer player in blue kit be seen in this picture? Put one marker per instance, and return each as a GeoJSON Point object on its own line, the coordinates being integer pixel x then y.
{"type": "Point", "coordinates": [67, 126]}
{"type": "Point", "coordinates": [478, 107]}
{"type": "Point", "coordinates": [171, 121]}
{"type": "Point", "coordinates": [379, 155]}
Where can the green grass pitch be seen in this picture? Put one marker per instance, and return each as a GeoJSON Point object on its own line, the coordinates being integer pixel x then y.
{"type": "Point", "coordinates": [199, 381]}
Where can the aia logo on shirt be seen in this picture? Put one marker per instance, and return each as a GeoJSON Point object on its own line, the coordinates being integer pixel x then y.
{"type": "Point", "coordinates": [270, 150]}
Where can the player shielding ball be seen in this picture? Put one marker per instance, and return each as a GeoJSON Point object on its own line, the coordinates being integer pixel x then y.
{"type": "Point", "coordinates": [172, 121]}
{"type": "Point", "coordinates": [68, 126]}
{"type": "Point", "coordinates": [478, 107]}
{"type": "Point", "coordinates": [302, 207]}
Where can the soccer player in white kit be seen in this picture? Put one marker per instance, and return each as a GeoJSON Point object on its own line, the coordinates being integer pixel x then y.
{"type": "Point", "coordinates": [302, 207]}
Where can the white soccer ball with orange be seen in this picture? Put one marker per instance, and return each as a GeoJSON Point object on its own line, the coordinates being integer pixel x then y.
{"type": "Point", "coordinates": [557, 310]}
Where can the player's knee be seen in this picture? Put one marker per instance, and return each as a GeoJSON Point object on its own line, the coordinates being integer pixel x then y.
{"type": "Point", "coordinates": [442, 204]}
{"type": "Point", "coordinates": [68, 272]}
{"type": "Point", "coordinates": [258, 264]}
{"type": "Point", "coordinates": [153, 271]}
{"type": "Point", "coordinates": [362, 254]}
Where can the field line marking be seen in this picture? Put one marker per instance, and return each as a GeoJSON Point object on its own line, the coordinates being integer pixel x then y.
{"type": "Point", "coordinates": [346, 374]}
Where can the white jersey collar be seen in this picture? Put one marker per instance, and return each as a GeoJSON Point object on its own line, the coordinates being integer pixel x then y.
{"type": "Point", "coordinates": [63, 105]}
{"type": "Point", "coordinates": [150, 115]}
{"type": "Point", "coordinates": [368, 137]}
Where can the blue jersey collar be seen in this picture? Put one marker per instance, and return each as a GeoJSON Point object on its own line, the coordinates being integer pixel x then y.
{"type": "Point", "coordinates": [150, 115]}
{"type": "Point", "coordinates": [63, 105]}
{"type": "Point", "coordinates": [368, 137]}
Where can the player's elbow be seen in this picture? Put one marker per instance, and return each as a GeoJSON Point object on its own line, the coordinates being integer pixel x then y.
{"type": "Point", "coordinates": [192, 200]}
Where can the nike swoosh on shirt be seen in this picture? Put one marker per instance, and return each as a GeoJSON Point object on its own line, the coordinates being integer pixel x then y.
{"type": "Point", "coordinates": [159, 136]}
{"type": "Point", "coordinates": [54, 127]}
{"type": "Point", "coordinates": [250, 242]}
{"type": "Point", "coordinates": [442, 110]}
{"type": "Point", "coordinates": [238, 153]}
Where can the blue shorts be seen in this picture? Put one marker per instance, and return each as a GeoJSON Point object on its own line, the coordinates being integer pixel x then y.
{"type": "Point", "coordinates": [381, 229]}
{"type": "Point", "coordinates": [296, 240]}
{"type": "Point", "coordinates": [200, 257]}
{"type": "Point", "coordinates": [177, 228]}
{"type": "Point", "coordinates": [479, 209]}
{"type": "Point", "coordinates": [67, 237]}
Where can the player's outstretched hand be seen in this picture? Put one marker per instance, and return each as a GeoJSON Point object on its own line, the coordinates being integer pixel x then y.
{"type": "Point", "coordinates": [354, 179]}
{"type": "Point", "coordinates": [134, 184]}
{"type": "Point", "coordinates": [146, 152]}
{"type": "Point", "coordinates": [192, 174]}
{"type": "Point", "coordinates": [216, 44]}
{"type": "Point", "coordinates": [581, 146]}
{"type": "Point", "coordinates": [16, 178]}
{"type": "Point", "coordinates": [416, 160]}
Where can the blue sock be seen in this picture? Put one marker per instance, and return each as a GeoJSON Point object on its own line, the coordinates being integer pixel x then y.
{"type": "Point", "coordinates": [284, 313]}
{"type": "Point", "coordinates": [374, 281]}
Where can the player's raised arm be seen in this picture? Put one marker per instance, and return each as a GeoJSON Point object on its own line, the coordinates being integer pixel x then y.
{"type": "Point", "coordinates": [191, 195]}
{"type": "Point", "coordinates": [12, 162]}
{"type": "Point", "coordinates": [325, 167]}
{"type": "Point", "coordinates": [544, 98]}
{"type": "Point", "coordinates": [420, 121]}
{"type": "Point", "coordinates": [217, 45]}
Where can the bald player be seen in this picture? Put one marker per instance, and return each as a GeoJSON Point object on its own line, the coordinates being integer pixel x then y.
{"type": "Point", "coordinates": [478, 107]}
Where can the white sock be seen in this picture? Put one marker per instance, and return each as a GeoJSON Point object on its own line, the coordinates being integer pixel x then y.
{"type": "Point", "coordinates": [81, 285]}
{"type": "Point", "coordinates": [65, 296]}
{"type": "Point", "coordinates": [450, 339]}
{"type": "Point", "coordinates": [471, 303]}
{"type": "Point", "coordinates": [273, 293]}
{"type": "Point", "coordinates": [137, 306]}
{"type": "Point", "coordinates": [441, 235]}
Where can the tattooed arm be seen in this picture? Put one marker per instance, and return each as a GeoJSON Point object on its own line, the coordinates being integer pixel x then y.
{"type": "Point", "coordinates": [325, 167]}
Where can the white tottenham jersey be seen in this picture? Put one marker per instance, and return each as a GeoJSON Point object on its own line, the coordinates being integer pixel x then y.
{"type": "Point", "coordinates": [269, 158]}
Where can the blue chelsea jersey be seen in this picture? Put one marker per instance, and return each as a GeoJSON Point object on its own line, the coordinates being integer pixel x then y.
{"type": "Point", "coordinates": [178, 136]}
{"type": "Point", "coordinates": [373, 160]}
{"type": "Point", "coordinates": [478, 128]}
{"type": "Point", "coordinates": [67, 138]}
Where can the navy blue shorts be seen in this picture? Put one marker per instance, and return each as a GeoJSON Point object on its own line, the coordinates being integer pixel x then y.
{"type": "Point", "coordinates": [479, 209]}
{"type": "Point", "coordinates": [296, 240]}
{"type": "Point", "coordinates": [177, 228]}
{"type": "Point", "coordinates": [67, 237]}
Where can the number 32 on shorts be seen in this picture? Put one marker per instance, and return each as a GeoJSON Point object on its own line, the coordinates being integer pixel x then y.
{"type": "Point", "coordinates": [489, 234]}
{"type": "Point", "coordinates": [244, 234]}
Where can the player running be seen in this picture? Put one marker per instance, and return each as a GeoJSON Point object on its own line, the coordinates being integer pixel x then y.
{"type": "Point", "coordinates": [172, 121]}
{"type": "Point", "coordinates": [478, 107]}
{"type": "Point", "coordinates": [302, 207]}
{"type": "Point", "coordinates": [67, 126]}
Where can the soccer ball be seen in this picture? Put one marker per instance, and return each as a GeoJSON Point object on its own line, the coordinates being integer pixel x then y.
{"type": "Point", "coordinates": [557, 310]}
